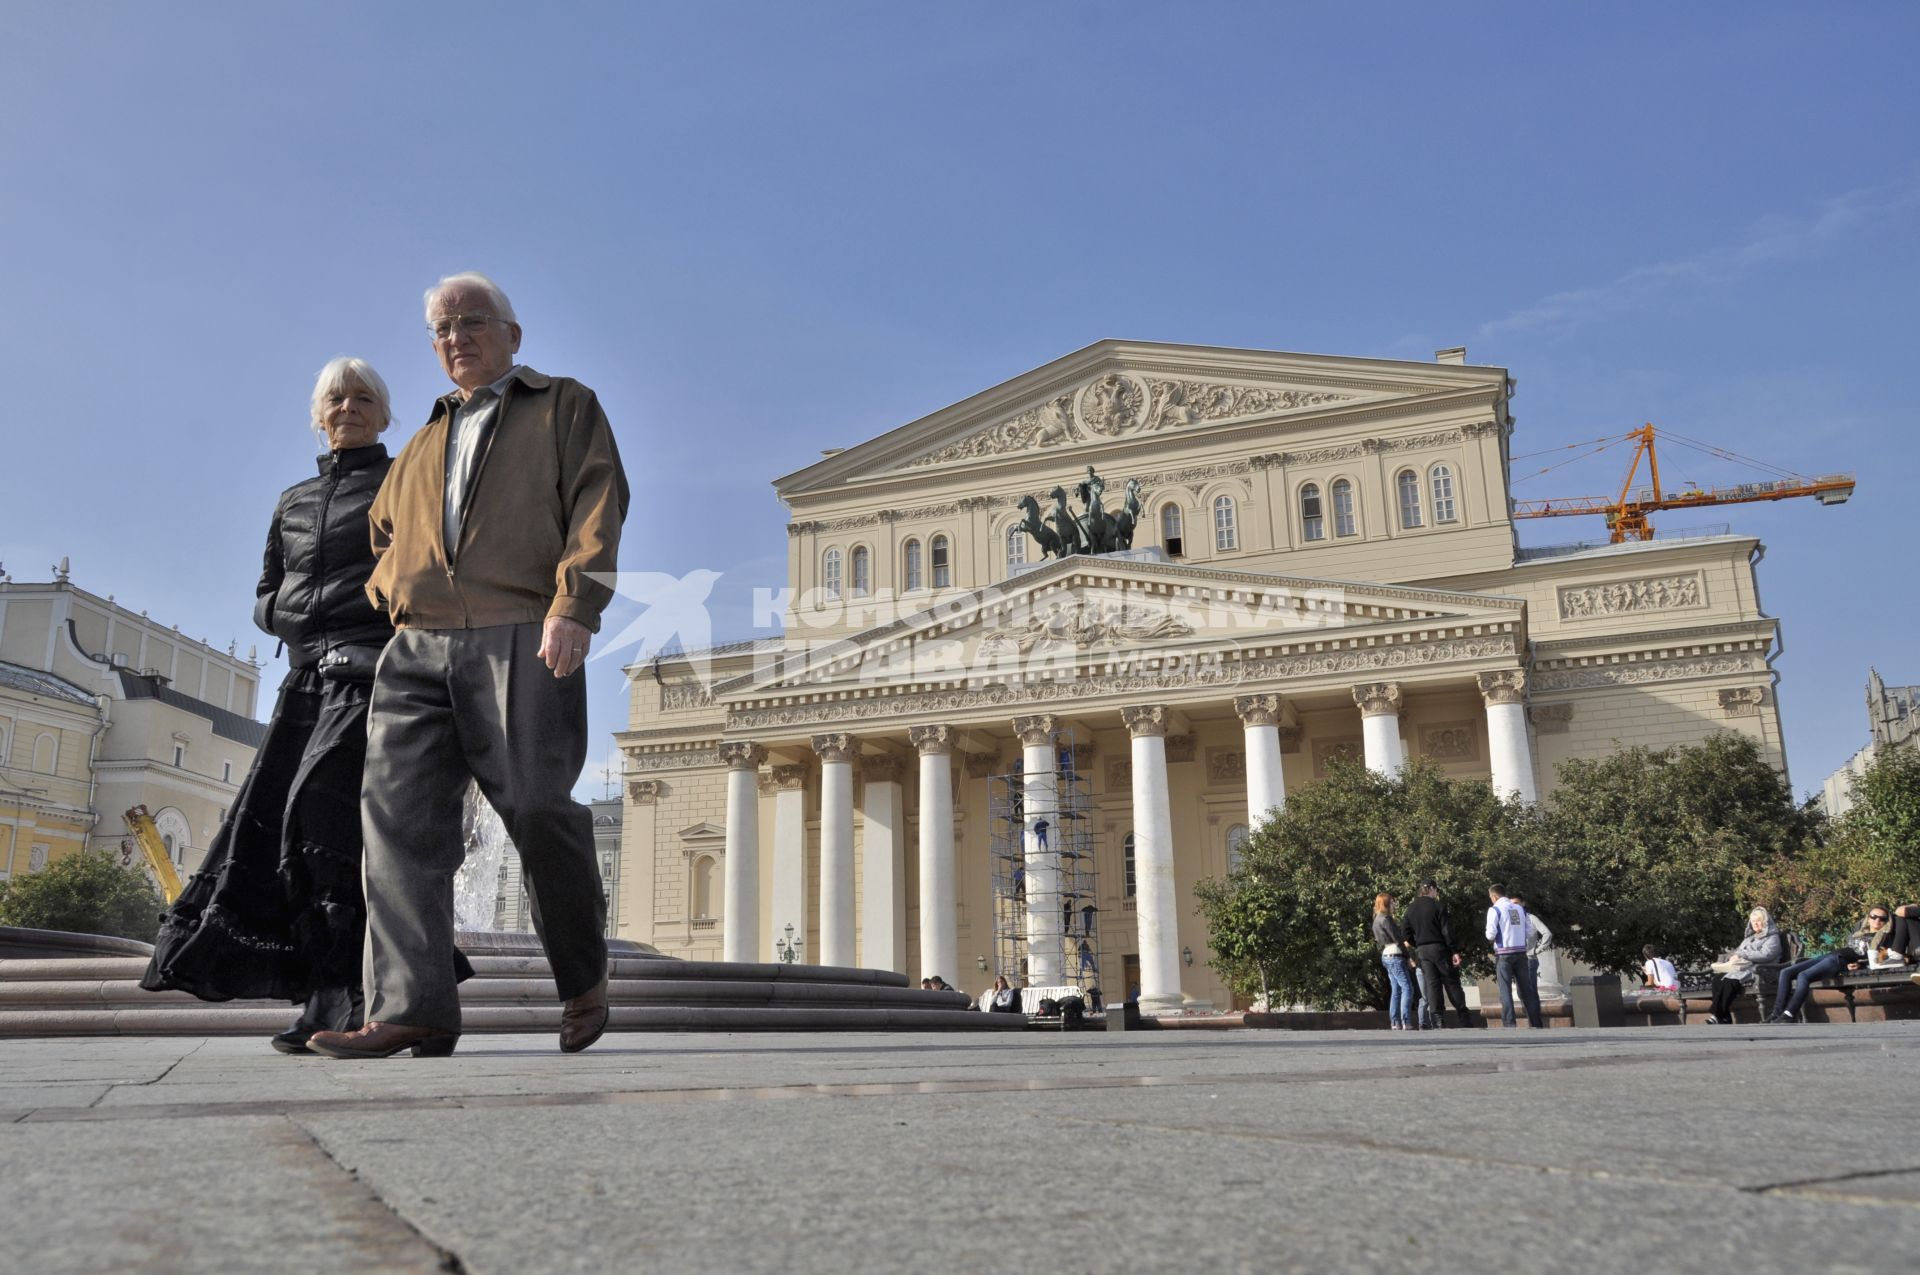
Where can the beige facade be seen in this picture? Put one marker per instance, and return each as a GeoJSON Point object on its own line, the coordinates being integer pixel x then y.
{"type": "Point", "coordinates": [1323, 565]}
{"type": "Point", "coordinates": [169, 724]}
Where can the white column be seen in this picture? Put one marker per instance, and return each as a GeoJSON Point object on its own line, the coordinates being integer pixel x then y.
{"type": "Point", "coordinates": [1040, 841]}
{"type": "Point", "coordinates": [836, 847]}
{"type": "Point", "coordinates": [1158, 911]}
{"type": "Point", "coordinates": [1266, 787]}
{"type": "Point", "coordinates": [939, 924]}
{"type": "Point", "coordinates": [1508, 747]}
{"type": "Point", "coordinates": [883, 878]}
{"type": "Point", "coordinates": [741, 908]}
{"type": "Point", "coordinates": [1380, 722]}
{"type": "Point", "coordinates": [789, 859]}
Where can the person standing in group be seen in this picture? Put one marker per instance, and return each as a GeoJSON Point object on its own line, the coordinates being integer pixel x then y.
{"type": "Point", "coordinates": [1430, 929]}
{"type": "Point", "coordinates": [496, 533]}
{"type": "Point", "coordinates": [1509, 930]}
{"type": "Point", "coordinates": [1393, 955]}
{"type": "Point", "coordinates": [1541, 942]}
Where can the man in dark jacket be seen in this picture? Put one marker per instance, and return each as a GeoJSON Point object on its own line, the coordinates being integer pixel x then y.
{"type": "Point", "coordinates": [495, 533]}
{"type": "Point", "coordinates": [1430, 930]}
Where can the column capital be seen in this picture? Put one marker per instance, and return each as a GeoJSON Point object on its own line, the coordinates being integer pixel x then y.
{"type": "Point", "coordinates": [1378, 699]}
{"type": "Point", "coordinates": [837, 746]}
{"type": "Point", "coordinates": [1036, 730]}
{"type": "Point", "coordinates": [1145, 720]}
{"type": "Point", "coordinates": [882, 768]}
{"type": "Point", "coordinates": [1259, 710]}
{"type": "Point", "coordinates": [932, 741]}
{"type": "Point", "coordinates": [739, 754]}
{"type": "Point", "coordinates": [1509, 686]}
{"type": "Point", "coordinates": [789, 778]}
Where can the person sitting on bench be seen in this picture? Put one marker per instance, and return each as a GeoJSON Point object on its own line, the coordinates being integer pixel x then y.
{"type": "Point", "coordinates": [1797, 980]}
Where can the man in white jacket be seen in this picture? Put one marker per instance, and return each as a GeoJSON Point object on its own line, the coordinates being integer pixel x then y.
{"type": "Point", "coordinates": [1510, 930]}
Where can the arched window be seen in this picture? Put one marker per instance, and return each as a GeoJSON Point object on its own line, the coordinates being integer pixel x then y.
{"type": "Point", "coordinates": [1409, 484]}
{"type": "Point", "coordinates": [862, 572]}
{"type": "Point", "coordinates": [911, 575]}
{"type": "Point", "coordinates": [1226, 533]}
{"type": "Point", "coordinates": [1016, 547]}
{"type": "Point", "coordinates": [1313, 525]}
{"type": "Point", "coordinates": [46, 754]}
{"type": "Point", "coordinates": [942, 572]}
{"type": "Point", "coordinates": [1171, 526]}
{"type": "Point", "coordinates": [1236, 838]}
{"type": "Point", "coordinates": [1343, 519]}
{"type": "Point", "coordinates": [830, 574]}
{"type": "Point", "coordinates": [1441, 476]}
{"type": "Point", "coordinates": [703, 888]}
{"type": "Point", "coordinates": [1126, 863]}
{"type": "Point", "coordinates": [175, 833]}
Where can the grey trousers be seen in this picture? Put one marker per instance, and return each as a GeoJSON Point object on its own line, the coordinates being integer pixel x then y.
{"type": "Point", "coordinates": [449, 704]}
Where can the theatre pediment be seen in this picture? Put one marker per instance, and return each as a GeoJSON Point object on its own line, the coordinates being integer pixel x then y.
{"type": "Point", "coordinates": [1118, 392]}
{"type": "Point", "coordinates": [1090, 616]}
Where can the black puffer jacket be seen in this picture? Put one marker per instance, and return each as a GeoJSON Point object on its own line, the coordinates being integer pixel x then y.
{"type": "Point", "coordinates": [312, 593]}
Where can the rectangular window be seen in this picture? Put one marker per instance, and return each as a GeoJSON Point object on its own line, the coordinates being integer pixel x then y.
{"type": "Point", "coordinates": [179, 754]}
{"type": "Point", "coordinates": [226, 767]}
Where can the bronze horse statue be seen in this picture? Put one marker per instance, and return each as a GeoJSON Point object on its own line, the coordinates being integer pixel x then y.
{"type": "Point", "coordinates": [1035, 526]}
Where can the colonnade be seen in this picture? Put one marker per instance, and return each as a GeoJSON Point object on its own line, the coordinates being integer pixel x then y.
{"type": "Point", "coordinates": [881, 926]}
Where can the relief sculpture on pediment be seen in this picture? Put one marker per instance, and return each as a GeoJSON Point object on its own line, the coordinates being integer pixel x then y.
{"type": "Point", "coordinates": [1119, 404]}
{"type": "Point", "coordinates": [1085, 625]}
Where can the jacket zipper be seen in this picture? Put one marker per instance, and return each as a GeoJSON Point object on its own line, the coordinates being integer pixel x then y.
{"type": "Point", "coordinates": [320, 536]}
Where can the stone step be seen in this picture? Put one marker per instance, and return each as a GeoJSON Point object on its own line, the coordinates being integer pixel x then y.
{"type": "Point", "coordinates": [126, 994]}
{"type": "Point", "coordinates": [232, 1018]}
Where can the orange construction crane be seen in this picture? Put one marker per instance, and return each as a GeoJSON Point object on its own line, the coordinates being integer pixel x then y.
{"type": "Point", "coordinates": [1626, 514]}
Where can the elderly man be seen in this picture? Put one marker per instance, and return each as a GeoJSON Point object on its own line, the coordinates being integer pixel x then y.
{"type": "Point", "coordinates": [492, 531]}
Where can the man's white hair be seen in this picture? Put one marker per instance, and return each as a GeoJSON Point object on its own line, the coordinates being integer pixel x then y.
{"type": "Point", "coordinates": [502, 308]}
{"type": "Point", "coordinates": [334, 377]}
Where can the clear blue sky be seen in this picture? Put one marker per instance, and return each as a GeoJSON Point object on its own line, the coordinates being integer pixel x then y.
{"type": "Point", "coordinates": [764, 229]}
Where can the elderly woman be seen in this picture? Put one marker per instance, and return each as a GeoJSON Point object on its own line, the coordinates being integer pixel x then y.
{"type": "Point", "coordinates": [277, 911]}
{"type": "Point", "coordinates": [1762, 945]}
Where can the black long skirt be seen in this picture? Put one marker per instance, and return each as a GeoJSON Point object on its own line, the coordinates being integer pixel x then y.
{"type": "Point", "coordinates": [276, 911]}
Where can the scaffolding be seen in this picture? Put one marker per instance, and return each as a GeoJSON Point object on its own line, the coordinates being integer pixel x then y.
{"type": "Point", "coordinates": [1044, 867]}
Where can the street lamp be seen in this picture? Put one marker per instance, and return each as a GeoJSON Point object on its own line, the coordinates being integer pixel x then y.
{"type": "Point", "coordinates": [788, 948]}
{"type": "Point", "coordinates": [1186, 955]}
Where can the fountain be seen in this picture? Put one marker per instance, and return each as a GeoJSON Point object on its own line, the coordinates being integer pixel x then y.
{"type": "Point", "coordinates": [477, 885]}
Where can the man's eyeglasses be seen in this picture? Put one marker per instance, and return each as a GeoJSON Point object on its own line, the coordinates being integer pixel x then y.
{"type": "Point", "coordinates": [469, 324]}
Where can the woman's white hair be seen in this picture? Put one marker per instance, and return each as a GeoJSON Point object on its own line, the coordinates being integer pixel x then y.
{"type": "Point", "coordinates": [334, 377]}
{"type": "Point", "coordinates": [502, 308]}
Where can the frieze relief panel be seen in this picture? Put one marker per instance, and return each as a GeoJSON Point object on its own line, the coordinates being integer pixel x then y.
{"type": "Point", "coordinates": [1120, 404]}
{"type": "Point", "coordinates": [1632, 597]}
{"type": "Point", "coordinates": [1196, 676]}
{"type": "Point", "coordinates": [1226, 766]}
{"type": "Point", "coordinates": [1450, 741]}
{"type": "Point", "coordinates": [683, 695]}
{"type": "Point", "coordinates": [1326, 751]}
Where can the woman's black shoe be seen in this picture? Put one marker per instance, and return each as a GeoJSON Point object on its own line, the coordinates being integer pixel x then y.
{"type": "Point", "coordinates": [329, 1009]}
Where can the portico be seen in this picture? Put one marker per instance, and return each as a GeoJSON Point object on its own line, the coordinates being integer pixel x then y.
{"type": "Point", "coordinates": [958, 696]}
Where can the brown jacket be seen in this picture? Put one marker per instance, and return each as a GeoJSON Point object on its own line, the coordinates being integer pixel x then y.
{"type": "Point", "coordinates": [544, 510]}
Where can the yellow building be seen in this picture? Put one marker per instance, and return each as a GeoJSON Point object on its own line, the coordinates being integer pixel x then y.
{"type": "Point", "coordinates": [168, 724]}
{"type": "Point", "coordinates": [962, 760]}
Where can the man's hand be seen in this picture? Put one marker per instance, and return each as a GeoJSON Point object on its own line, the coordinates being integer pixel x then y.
{"type": "Point", "coordinates": [1456, 958]}
{"type": "Point", "coordinates": [563, 644]}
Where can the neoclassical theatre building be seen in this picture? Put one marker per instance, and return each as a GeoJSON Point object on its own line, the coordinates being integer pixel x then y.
{"type": "Point", "coordinates": [966, 757]}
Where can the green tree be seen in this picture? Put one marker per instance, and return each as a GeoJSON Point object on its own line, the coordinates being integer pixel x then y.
{"type": "Point", "coordinates": [1293, 919]}
{"type": "Point", "coordinates": [1870, 855]}
{"type": "Point", "coordinates": [85, 893]}
{"type": "Point", "coordinates": [1664, 845]}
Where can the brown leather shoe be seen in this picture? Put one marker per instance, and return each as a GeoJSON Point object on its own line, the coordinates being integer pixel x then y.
{"type": "Point", "coordinates": [583, 1019]}
{"type": "Point", "coordinates": [384, 1040]}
